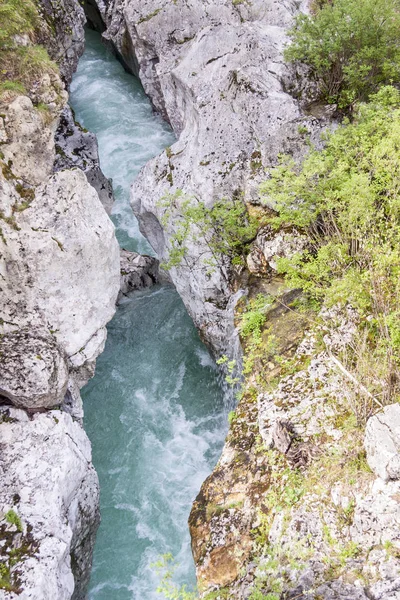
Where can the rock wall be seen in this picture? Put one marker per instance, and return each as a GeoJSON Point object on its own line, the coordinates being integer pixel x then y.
{"type": "Point", "coordinates": [59, 282]}
{"type": "Point", "coordinates": [214, 70]}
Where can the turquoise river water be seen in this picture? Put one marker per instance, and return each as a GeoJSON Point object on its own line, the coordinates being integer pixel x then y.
{"type": "Point", "coordinates": [155, 409]}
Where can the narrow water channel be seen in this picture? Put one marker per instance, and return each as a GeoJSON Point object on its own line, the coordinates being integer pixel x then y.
{"type": "Point", "coordinates": [154, 410]}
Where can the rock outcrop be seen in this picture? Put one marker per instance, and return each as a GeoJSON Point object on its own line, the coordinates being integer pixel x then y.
{"type": "Point", "coordinates": [49, 499]}
{"type": "Point", "coordinates": [382, 443]}
{"type": "Point", "coordinates": [215, 71]}
{"type": "Point", "coordinates": [138, 271]}
{"type": "Point", "coordinates": [76, 147]}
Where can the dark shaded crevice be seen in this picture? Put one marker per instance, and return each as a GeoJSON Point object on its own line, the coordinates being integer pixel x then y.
{"type": "Point", "coordinates": [93, 16]}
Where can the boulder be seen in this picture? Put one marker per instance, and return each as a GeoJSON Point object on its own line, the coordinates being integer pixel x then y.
{"type": "Point", "coordinates": [33, 369]}
{"type": "Point", "coordinates": [137, 271]}
{"type": "Point", "coordinates": [59, 261]}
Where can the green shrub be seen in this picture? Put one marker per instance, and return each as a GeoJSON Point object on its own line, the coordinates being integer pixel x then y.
{"type": "Point", "coordinates": [12, 518]}
{"type": "Point", "coordinates": [17, 18]}
{"type": "Point", "coordinates": [21, 64]}
{"type": "Point", "coordinates": [226, 228]}
{"type": "Point", "coordinates": [351, 46]}
{"type": "Point", "coordinates": [346, 199]}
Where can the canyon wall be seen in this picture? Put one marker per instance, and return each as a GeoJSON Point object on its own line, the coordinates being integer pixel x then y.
{"type": "Point", "coordinates": [60, 277]}
{"type": "Point", "coordinates": [215, 71]}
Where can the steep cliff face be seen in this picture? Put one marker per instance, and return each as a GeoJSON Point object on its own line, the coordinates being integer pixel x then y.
{"type": "Point", "coordinates": [60, 277]}
{"type": "Point", "coordinates": [302, 503]}
{"type": "Point", "coordinates": [215, 71]}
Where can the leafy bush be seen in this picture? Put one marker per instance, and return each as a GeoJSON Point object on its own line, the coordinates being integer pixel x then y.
{"type": "Point", "coordinates": [352, 47]}
{"type": "Point", "coordinates": [226, 228]}
{"type": "Point", "coordinates": [346, 198]}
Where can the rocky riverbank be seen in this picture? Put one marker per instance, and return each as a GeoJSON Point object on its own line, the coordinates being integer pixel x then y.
{"type": "Point", "coordinates": [61, 276]}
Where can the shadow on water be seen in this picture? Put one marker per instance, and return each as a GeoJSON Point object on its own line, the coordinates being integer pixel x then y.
{"type": "Point", "coordinates": [155, 409]}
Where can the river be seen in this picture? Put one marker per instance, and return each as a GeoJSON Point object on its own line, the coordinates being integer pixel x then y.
{"type": "Point", "coordinates": [154, 411]}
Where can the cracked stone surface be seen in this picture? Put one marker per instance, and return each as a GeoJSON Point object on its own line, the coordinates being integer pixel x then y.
{"type": "Point", "coordinates": [382, 442]}
{"type": "Point", "coordinates": [33, 369]}
{"type": "Point", "coordinates": [54, 491]}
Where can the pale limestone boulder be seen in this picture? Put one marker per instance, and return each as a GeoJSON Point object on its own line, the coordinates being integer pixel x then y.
{"type": "Point", "coordinates": [33, 369]}
{"type": "Point", "coordinates": [59, 262]}
{"type": "Point", "coordinates": [48, 480]}
{"type": "Point", "coordinates": [382, 443]}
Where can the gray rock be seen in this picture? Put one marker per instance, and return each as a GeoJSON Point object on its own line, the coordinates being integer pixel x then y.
{"type": "Point", "coordinates": [77, 147]}
{"type": "Point", "coordinates": [137, 271]}
{"type": "Point", "coordinates": [30, 141]}
{"type": "Point", "coordinates": [48, 480]}
{"type": "Point", "coordinates": [33, 369]}
{"type": "Point", "coordinates": [382, 443]}
{"type": "Point", "coordinates": [67, 39]}
{"type": "Point", "coordinates": [215, 71]}
{"type": "Point", "coordinates": [269, 246]}
{"type": "Point", "coordinates": [60, 261]}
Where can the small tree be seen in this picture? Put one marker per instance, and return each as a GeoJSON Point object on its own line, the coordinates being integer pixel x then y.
{"type": "Point", "coordinates": [225, 228]}
{"type": "Point", "coordinates": [351, 46]}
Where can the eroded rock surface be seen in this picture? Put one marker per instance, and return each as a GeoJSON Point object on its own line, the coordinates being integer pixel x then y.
{"type": "Point", "coordinates": [138, 271]}
{"type": "Point", "coordinates": [53, 491]}
{"type": "Point", "coordinates": [76, 147]}
{"type": "Point", "coordinates": [215, 71]}
{"type": "Point", "coordinates": [33, 369]}
{"type": "Point", "coordinates": [68, 279]}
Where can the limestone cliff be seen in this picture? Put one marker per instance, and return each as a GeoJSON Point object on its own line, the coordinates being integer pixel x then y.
{"type": "Point", "coordinates": [215, 71]}
{"type": "Point", "coordinates": [60, 277]}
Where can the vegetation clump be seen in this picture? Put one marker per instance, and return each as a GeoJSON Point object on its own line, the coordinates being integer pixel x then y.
{"type": "Point", "coordinates": [351, 47]}
{"type": "Point", "coordinates": [22, 59]}
{"type": "Point", "coordinates": [226, 227]}
{"type": "Point", "coordinates": [346, 200]}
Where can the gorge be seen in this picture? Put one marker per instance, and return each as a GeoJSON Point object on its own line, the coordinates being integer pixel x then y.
{"type": "Point", "coordinates": [154, 411]}
{"type": "Point", "coordinates": [266, 183]}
